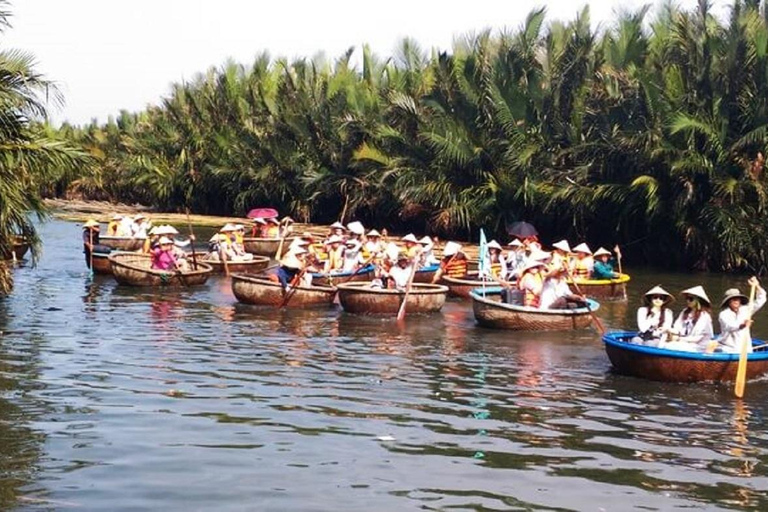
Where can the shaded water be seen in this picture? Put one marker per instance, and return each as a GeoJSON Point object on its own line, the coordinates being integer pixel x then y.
{"type": "Point", "coordinates": [114, 398]}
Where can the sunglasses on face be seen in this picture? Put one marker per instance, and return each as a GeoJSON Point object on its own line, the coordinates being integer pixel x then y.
{"type": "Point", "coordinates": [690, 299]}
{"type": "Point", "coordinates": [657, 297]}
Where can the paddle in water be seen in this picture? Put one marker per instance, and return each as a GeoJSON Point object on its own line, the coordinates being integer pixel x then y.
{"type": "Point", "coordinates": [741, 370]}
{"type": "Point", "coordinates": [595, 319]}
{"type": "Point", "coordinates": [401, 312]}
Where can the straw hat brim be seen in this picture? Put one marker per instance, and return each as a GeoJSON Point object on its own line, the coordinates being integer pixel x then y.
{"type": "Point", "coordinates": [733, 294]}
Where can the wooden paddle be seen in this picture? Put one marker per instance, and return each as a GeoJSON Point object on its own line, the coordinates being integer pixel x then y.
{"type": "Point", "coordinates": [595, 319]}
{"type": "Point", "coordinates": [90, 252]}
{"type": "Point", "coordinates": [741, 371]}
{"type": "Point", "coordinates": [618, 260]}
{"type": "Point", "coordinates": [401, 312]}
{"type": "Point", "coordinates": [282, 239]}
{"type": "Point", "coordinates": [192, 241]}
{"type": "Point", "coordinates": [290, 294]}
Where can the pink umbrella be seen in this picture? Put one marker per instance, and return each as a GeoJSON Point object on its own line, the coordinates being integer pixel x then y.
{"type": "Point", "coordinates": [264, 213]}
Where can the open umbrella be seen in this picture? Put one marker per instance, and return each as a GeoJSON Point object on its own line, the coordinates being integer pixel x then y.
{"type": "Point", "coordinates": [522, 229]}
{"type": "Point", "coordinates": [263, 213]}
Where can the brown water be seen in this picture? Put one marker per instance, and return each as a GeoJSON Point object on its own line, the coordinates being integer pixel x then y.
{"type": "Point", "coordinates": [115, 398]}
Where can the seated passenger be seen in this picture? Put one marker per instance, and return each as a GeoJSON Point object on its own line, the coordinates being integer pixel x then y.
{"type": "Point", "coordinates": [603, 265]}
{"type": "Point", "coordinates": [582, 262]}
{"type": "Point", "coordinates": [692, 330]}
{"type": "Point", "coordinates": [454, 263]}
{"type": "Point", "coordinates": [163, 257]}
{"type": "Point", "coordinates": [531, 283]}
{"type": "Point", "coordinates": [400, 274]}
{"type": "Point", "coordinates": [495, 263]}
{"type": "Point", "coordinates": [335, 248]}
{"type": "Point", "coordinates": [556, 294]}
{"type": "Point", "coordinates": [736, 318]}
{"type": "Point", "coordinates": [654, 320]}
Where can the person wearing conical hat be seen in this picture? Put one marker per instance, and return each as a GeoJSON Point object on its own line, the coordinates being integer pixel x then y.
{"type": "Point", "coordinates": [373, 245]}
{"type": "Point", "coordinates": [163, 257]}
{"type": "Point", "coordinates": [398, 275]}
{"type": "Point", "coordinates": [531, 282]}
{"type": "Point", "coordinates": [412, 246]}
{"type": "Point", "coordinates": [427, 258]}
{"type": "Point", "coordinates": [560, 255]}
{"type": "Point", "coordinates": [654, 319]}
{"type": "Point", "coordinates": [114, 224]}
{"type": "Point", "coordinates": [258, 228]}
{"type": "Point", "coordinates": [335, 248]}
{"type": "Point", "coordinates": [736, 315]}
{"type": "Point", "coordinates": [140, 226]}
{"type": "Point", "coordinates": [454, 263]}
{"type": "Point", "coordinates": [603, 265]}
{"type": "Point", "coordinates": [338, 229]}
{"type": "Point", "coordinates": [582, 262]}
{"type": "Point", "coordinates": [515, 258]}
{"type": "Point", "coordinates": [555, 292]}
{"type": "Point", "coordinates": [291, 266]}
{"type": "Point", "coordinates": [495, 262]}
{"type": "Point", "coordinates": [356, 231]}
{"type": "Point", "coordinates": [272, 229]}
{"type": "Point", "coordinates": [353, 256]}
{"type": "Point", "coordinates": [692, 330]}
{"type": "Point", "coordinates": [91, 230]}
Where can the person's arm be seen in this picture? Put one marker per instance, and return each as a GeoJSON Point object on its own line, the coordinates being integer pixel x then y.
{"type": "Point", "coordinates": [702, 332]}
{"type": "Point", "coordinates": [644, 323]}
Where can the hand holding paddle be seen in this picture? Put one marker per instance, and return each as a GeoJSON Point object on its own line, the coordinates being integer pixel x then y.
{"type": "Point", "coordinates": [297, 282]}
{"type": "Point", "coordinates": [741, 371]}
{"type": "Point", "coordinates": [401, 312]}
{"type": "Point", "coordinates": [595, 319]}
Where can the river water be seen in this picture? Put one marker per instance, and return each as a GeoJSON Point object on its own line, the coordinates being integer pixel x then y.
{"type": "Point", "coordinates": [114, 398]}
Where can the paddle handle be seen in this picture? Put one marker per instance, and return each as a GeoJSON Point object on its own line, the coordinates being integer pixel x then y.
{"type": "Point", "coordinates": [595, 319]}
{"type": "Point", "coordinates": [741, 371]}
{"type": "Point", "coordinates": [290, 294]}
{"type": "Point", "coordinates": [192, 242]}
{"type": "Point", "coordinates": [90, 251]}
{"type": "Point", "coordinates": [401, 311]}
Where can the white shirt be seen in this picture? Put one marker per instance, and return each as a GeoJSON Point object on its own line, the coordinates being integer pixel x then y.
{"type": "Point", "coordinates": [692, 337]}
{"type": "Point", "coordinates": [553, 289]}
{"type": "Point", "coordinates": [731, 337]}
{"type": "Point", "coordinates": [646, 323]}
{"type": "Point", "coordinates": [352, 260]}
{"type": "Point", "coordinates": [400, 276]}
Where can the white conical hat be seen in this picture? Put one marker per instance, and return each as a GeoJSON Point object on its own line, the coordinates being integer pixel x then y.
{"type": "Point", "coordinates": [290, 260]}
{"type": "Point", "coordinates": [410, 237]}
{"type": "Point", "coordinates": [532, 263]}
{"type": "Point", "coordinates": [338, 225]}
{"type": "Point", "coordinates": [165, 229]}
{"type": "Point", "coordinates": [334, 239]}
{"type": "Point", "coordinates": [425, 240]}
{"type": "Point", "coordinates": [562, 245]}
{"type": "Point", "coordinates": [583, 248]}
{"type": "Point", "coordinates": [515, 243]}
{"type": "Point", "coordinates": [451, 248]}
{"type": "Point", "coordinates": [373, 233]}
{"type": "Point", "coordinates": [658, 290]}
{"type": "Point", "coordinates": [493, 244]}
{"type": "Point", "coordinates": [697, 291]}
{"type": "Point", "coordinates": [540, 255]}
{"type": "Point", "coordinates": [602, 251]}
{"type": "Point", "coordinates": [356, 228]}
{"type": "Point", "coordinates": [164, 240]}
{"type": "Point", "coordinates": [259, 220]}
{"type": "Point", "coordinates": [392, 250]}
{"type": "Point", "coordinates": [227, 228]}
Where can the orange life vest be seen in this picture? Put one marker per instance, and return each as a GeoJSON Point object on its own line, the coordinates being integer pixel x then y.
{"type": "Point", "coordinates": [531, 298]}
{"type": "Point", "coordinates": [455, 268]}
{"type": "Point", "coordinates": [581, 268]}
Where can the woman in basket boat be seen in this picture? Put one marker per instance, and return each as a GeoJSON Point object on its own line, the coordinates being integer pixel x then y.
{"type": "Point", "coordinates": [427, 258]}
{"type": "Point", "coordinates": [582, 262]}
{"type": "Point", "coordinates": [692, 330]}
{"type": "Point", "coordinates": [654, 319]}
{"type": "Point", "coordinates": [164, 256]}
{"type": "Point", "coordinates": [495, 262]}
{"type": "Point", "coordinates": [516, 258]}
{"type": "Point", "coordinates": [454, 263]}
{"type": "Point", "coordinates": [603, 265]}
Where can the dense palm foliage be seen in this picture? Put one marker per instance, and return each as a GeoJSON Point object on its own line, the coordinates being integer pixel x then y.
{"type": "Point", "coordinates": [647, 134]}
{"type": "Point", "coordinates": [29, 157]}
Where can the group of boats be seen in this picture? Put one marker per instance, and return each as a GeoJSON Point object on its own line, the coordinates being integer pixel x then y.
{"type": "Point", "coordinates": [355, 294]}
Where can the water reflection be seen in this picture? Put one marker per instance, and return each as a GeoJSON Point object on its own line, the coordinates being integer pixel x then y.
{"type": "Point", "coordinates": [279, 409]}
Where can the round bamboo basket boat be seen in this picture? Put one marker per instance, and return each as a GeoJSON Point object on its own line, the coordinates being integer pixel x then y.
{"type": "Point", "coordinates": [254, 266]}
{"type": "Point", "coordinates": [134, 269]}
{"type": "Point", "coordinates": [262, 291]}
{"type": "Point", "coordinates": [322, 279]}
{"type": "Point", "coordinates": [491, 312]}
{"type": "Point", "coordinates": [122, 243]}
{"type": "Point", "coordinates": [677, 366]}
{"type": "Point", "coordinates": [101, 264]}
{"type": "Point", "coordinates": [462, 287]}
{"type": "Point", "coordinates": [17, 251]}
{"type": "Point", "coordinates": [265, 246]}
{"type": "Point", "coordinates": [425, 274]}
{"type": "Point", "coordinates": [361, 298]}
{"type": "Point", "coordinates": [602, 289]}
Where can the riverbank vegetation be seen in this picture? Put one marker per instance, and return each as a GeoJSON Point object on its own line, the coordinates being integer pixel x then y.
{"type": "Point", "coordinates": [30, 156]}
{"type": "Point", "coordinates": [650, 133]}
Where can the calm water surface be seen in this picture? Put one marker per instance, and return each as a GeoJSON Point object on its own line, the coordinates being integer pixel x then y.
{"type": "Point", "coordinates": [114, 398]}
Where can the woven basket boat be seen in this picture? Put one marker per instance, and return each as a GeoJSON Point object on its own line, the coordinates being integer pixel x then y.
{"type": "Point", "coordinates": [602, 289]}
{"type": "Point", "coordinates": [425, 274]}
{"type": "Point", "coordinates": [491, 312]}
{"type": "Point", "coordinates": [361, 298]}
{"type": "Point", "coordinates": [335, 278]}
{"type": "Point", "coordinates": [134, 269]}
{"type": "Point", "coordinates": [678, 366]}
{"type": "Point", "coordinates": [265, 246]}
{"type": "Point", "coordinates": [254, 266]}
{"type": "Point", "coordinates": [101, 264]}
{"type": "Point", "coordinates": [262, 291]}
{"type": "Point", "coordinates": [462, 287]}
{"type": "Point", "coordinates": [17, 251]}
{"type": "Point", "coordinates": [122, 243]}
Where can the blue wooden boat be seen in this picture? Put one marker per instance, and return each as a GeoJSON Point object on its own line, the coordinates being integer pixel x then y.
{"type": "Point", "coordinates": [334, 278]}
{"type": "Point", "coordinates": [425, 274]}
{"type": "Point", "coordinates": [678, 366]}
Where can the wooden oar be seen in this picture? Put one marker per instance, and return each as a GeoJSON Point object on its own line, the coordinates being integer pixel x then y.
{"type": "Point", "coordinates": [290, 294]}
{"type": "Point", "coordinates": [741, 371]}
{"type": "Point", "coordinates": [282, 239]}
{"type": "Point", "coordinates": [192, 241]}
{"type": "Point", "coordinates": [90, 252]}
{"type": "Point", "coordinates": [618, 260]}
{"type": "Point", "coordinates": [401, 312]}
{"type": "Point", "coordinates": [595, 319]}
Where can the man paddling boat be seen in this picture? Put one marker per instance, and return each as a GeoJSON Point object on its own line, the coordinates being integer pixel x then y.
{"type": "Point", "coordinates": [736, 317]}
